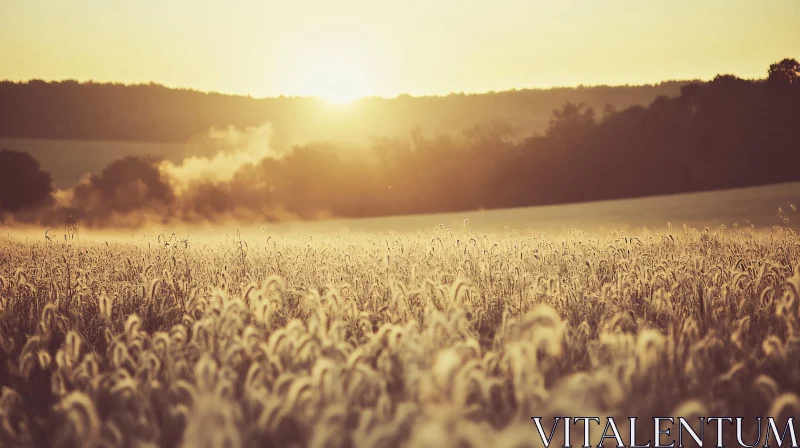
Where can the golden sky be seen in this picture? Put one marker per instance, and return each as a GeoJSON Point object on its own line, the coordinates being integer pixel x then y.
{"type": "Point", "coordinates": [347, 48]}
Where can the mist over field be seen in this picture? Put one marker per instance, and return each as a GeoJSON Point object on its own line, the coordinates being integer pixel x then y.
{"type": "Point", "coordinates": [706, 138]}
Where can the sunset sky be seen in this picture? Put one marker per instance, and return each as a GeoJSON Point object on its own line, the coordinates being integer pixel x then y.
{"type": "Point", "coordinates": [349, 48]}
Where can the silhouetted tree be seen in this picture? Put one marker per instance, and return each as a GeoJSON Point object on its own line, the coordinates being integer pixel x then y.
{"type": "Point", "coordinates": [22, 183]}
{"type": "Point", "coordinates": [571, 121]}
{"type": "Point", "coordinates": [786, 71]}
{"type": "Point", "coordinates": [125, 185]}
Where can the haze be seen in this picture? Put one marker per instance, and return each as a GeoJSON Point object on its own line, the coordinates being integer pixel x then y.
{"type": "Point", "coordinates": [351, 48]}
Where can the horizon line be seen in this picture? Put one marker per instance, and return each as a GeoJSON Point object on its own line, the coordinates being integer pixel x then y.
{"type": "Point", "coordinates": [368, 97]}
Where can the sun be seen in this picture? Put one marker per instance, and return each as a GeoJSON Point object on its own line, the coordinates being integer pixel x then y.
{"type": "Point", "coordinates": [336, 75]}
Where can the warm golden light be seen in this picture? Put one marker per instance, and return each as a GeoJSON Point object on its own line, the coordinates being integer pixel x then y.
{"type": "Point", "coordinates": [343, 50]}
{"type": "Point", "coordinates": [335, 74]}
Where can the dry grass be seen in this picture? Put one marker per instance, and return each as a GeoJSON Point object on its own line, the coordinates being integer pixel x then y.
{"type": "Point", "coordinates": [445, 338]}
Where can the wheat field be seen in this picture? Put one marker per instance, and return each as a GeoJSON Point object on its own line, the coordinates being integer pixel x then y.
{"type": "Point", "coordinates": [444, 337]}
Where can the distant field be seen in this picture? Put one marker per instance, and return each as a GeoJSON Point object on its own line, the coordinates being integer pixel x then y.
{"type": "Point", "coordinates": [68, 160]}
{"type": "Point", "coordinates": [743, 206]}
{"type": "Point", "coordinates": [756, 206]}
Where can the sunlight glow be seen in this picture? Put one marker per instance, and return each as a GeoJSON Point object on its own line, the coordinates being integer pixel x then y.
{"type": "Point", "coordinates": [337, 75]}
{"type": "Point", "coordinates": [352, 48]}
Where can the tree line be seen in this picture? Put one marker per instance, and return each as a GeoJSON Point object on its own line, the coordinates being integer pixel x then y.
{"type": "Point", "coordinates": [724, 133]}
{"type": "Point", "coordinates": [154, 113]}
